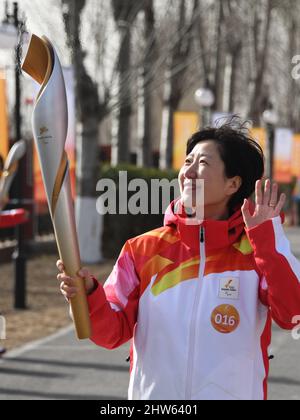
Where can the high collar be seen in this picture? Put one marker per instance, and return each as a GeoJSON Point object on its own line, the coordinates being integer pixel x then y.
{"type": "Point", "coordinates": [218, 233]}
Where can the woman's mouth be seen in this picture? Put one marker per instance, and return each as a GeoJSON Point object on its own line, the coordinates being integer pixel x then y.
{"type": "Point", "coordinates": [192, 185]}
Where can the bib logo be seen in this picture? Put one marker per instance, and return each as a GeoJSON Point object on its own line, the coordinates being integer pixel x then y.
{"type": "Point", "coordinates": [225, 319]}
{"type": "Point", "coordinates": [229, 288]}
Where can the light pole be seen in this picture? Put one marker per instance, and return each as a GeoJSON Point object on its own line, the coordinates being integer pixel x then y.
{"type": "Point", "coordinates": [205, 98]}
{"type": "Point", "coordinates": [270, 119]}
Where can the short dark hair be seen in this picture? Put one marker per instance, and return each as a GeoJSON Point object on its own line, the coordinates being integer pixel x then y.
{"type": "Point", "coordinates": [241, 154]}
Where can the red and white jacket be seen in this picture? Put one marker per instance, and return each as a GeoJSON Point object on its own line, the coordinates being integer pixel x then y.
{"type": "Point", "coordinates": [197, 302]}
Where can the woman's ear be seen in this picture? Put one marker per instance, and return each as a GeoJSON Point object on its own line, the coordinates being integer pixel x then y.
{"type": "Point", "coordinates": [234, 184]}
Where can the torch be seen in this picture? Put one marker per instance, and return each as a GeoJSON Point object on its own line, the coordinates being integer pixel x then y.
{"type": "Point", "coordinates": [10, 169]}
{"type": "Point", "coordinates": [50, 126]}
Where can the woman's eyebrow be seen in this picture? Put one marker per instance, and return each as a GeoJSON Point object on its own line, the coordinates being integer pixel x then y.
{"type": "Point", "coordinates": [191, 155]}
{"type": "Point", "coordinates": [205, 155]}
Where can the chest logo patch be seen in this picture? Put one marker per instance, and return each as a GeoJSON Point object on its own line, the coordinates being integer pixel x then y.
{"type": "Point", "coordinates": [225, 319]}
{"type": "Point", "coordinates": [229, 288]}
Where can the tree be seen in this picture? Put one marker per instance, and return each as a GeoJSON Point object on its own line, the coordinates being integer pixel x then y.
{"type": "Point", "coordinates": [291, 13]}
{"type": "Point", "coordinates": [125, 13]}
{"type": "Point", "coordinates": [95, 100]}
{"type": "Point", "coordinates": [146, 86]}
{"type": "Point", "coordinates": [261, 45]}
{"type": "Point", "coordinates": [211, 48]}
{"type": "Point", "coordinates": [234, 39]}
{"type": "Point", "coordinates": [89, 111]}
{"type": "Point", "coordinates": [175, 72]}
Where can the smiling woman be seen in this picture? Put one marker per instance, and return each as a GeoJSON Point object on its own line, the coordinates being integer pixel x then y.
{"type": "Point", "coordinates": [198, 299]}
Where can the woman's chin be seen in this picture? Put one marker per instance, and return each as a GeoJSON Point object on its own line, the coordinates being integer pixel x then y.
{"type": "Point", "coordinates": [189, 202]}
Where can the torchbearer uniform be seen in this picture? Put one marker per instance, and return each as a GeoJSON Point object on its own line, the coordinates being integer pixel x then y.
{"type": "Point", "coordinates": [198, 301]}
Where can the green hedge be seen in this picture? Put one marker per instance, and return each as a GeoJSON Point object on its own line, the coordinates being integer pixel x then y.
{"type": "Point", "coordinates": [119, 228]}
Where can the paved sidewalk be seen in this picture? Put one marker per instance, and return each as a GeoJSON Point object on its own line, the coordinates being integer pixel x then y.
{"type": "Point", "coordinates": [284, 382]}
{"type": "Point", "coordinates": [293, 234]}
{"type": "Point", "coordinates": [60, 367]}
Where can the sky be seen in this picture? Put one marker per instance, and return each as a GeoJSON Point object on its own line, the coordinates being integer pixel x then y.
{"type": "Point", "coordinates": [41, 20]}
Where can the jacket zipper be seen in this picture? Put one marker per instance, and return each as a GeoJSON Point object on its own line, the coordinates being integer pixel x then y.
{"type": "Point", "coordinates": [191, 355]}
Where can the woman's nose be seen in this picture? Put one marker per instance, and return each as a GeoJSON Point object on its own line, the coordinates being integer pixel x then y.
{"type": "Point", "coordinates": [191, 172]}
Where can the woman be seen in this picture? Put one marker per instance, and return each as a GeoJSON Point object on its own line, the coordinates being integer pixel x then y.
{"type": "Point", "coordinates": [198, 299]}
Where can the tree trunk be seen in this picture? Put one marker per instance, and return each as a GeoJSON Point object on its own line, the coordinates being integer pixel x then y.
{"type": "Point", "coordinates": [145, 112]}
{"type": "Point", "coordinates": [166, 145]}
{"type": "Point", "coordinates": [293, 93]}
{"type": "Point", "coordinates": [173, 90]}
{"type": "Point", "coordinates": [146, 106]}
{"type": "Point", "coordinates": [167, 131]}
{"type": "Point", "coordinates": [200, 36]}
{"type": "Point", "coordinates": [235, 67]}
{"type": "Point", "coordinates": [124, 99]}
{"type": "Point", "coordinates": [258, 98]}
{"type": "Point", "coordinates": [220, 63]}
{"type": "Point", "coordinates": [88, 115]}
{"type": "Point", "coordinates": [125, 13]}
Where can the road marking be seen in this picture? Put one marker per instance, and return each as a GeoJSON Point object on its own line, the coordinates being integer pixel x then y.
{"type": "Point", "coordinates": [37, 343]}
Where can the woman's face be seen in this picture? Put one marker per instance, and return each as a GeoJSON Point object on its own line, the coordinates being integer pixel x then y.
{"type": "Point", "coordinates": [205, 163]}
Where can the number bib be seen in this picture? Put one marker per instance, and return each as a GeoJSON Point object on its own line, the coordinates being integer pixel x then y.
{"type": "Point", "coordinates": [225, 319]}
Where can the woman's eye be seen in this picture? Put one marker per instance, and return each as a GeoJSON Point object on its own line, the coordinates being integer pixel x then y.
{"type": "Point", "coordinates": [203, 161]}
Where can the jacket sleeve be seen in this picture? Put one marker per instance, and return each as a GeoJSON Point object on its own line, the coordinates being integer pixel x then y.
{"type": "Point", "coordinates": [114, 306]}
{"type": "Point", "coordinates": [280, 271]}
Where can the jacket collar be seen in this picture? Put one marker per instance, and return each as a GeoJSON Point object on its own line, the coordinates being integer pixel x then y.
{"type": "Point", "coordinates": [218, 233]}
